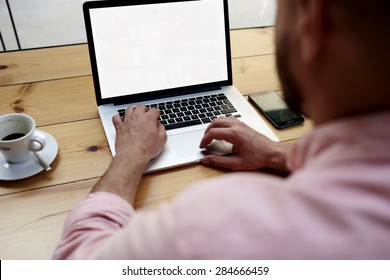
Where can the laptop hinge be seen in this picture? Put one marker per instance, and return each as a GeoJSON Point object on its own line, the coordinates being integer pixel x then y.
{"type": "Point", "coordinates": [165, 94]}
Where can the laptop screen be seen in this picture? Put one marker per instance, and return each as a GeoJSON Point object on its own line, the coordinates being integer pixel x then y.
{"type": "Point", "coordinates": [151, 47]}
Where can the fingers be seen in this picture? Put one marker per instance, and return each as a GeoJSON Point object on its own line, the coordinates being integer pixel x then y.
{"type": "Point", "coordinates": [217, 134]}
{"type": "Point", "coordinates": [117, 121]}
{"type": "Point", "coordinates": [229, 162]}
{"type": "Point", "coordinates": [142, 109]}
{"type": "Point", "coordinates": [137, 111]}
{"type": "Point", "coordinates": [220, 129]}
{"type": "Point", "coordinates": [222, 122]}
{"type": "Point", "coordinates": [155, 113]}
{"type": "Point", "coordinates": [162, 131]}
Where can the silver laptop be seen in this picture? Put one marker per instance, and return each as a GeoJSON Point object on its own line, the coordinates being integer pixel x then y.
{"type": "Point", "coordinates": [171, 55]}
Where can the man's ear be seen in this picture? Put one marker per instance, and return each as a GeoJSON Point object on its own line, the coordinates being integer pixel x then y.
{"type": "Point", "coordinates": [312, 28]}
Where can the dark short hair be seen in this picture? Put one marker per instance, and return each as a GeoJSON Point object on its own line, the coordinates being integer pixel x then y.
{"type": "Point", "coordinates": [369, 21]}
{"type": "Point", "coordinates": [366, 15]}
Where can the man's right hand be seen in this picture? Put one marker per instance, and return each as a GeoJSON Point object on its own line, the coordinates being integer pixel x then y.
{"type": "Point", "coordinates": [251, 150]}
{"type": "Point", "coordinates": [140, 135]}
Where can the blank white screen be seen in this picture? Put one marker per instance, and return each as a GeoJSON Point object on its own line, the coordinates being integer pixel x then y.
{"type": "Point", "coordinates": [145, 48]}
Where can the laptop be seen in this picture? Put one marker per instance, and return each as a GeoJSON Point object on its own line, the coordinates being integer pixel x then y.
{"type": "Point", "coordinates": [171, 55]}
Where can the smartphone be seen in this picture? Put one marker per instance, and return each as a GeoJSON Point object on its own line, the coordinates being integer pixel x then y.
{"type": "Point", "coordinates": [275, 109]}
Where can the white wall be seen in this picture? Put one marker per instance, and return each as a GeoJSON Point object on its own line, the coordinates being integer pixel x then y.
{"type": "Point", "coordinates": [42, 23]}
{"type": "Point", "coordinates": [48, 22]}
{"type": "Point", "coordinates": [251, 13]}
{"type": "Point", "coordinates": [6, 27]}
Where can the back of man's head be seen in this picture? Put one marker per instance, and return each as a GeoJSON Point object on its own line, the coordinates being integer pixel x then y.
{"type": "Point", "coordinates": [333, 56]}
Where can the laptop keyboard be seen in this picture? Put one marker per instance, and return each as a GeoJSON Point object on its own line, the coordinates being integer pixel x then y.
{"type": "Point", "coordinates": [192, 111]}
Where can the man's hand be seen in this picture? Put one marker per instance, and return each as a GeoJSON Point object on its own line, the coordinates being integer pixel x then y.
{"type": "Point", "coordinates": [139, 138]}
{"type": "Point", "coordinates": [140, 135]}
{"type": "Point", "coordinates": [251, 150]}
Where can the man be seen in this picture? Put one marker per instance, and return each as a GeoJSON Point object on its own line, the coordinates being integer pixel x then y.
{"type": "Point", "coordinates": [334, 64]}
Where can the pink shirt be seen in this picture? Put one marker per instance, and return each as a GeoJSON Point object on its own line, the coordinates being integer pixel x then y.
{"type": "Point", "coordinates": [335, 205]}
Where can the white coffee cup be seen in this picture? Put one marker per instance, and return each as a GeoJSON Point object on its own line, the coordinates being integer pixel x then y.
{"type": "Point", "coordinates": [18, 137]}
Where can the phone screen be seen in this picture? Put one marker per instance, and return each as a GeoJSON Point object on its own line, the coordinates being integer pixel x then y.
{"type": "Point", "coordinates": [275, 109]}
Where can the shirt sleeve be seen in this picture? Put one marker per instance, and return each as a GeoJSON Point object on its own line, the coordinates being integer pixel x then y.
{"type": "Point", "coordinates": [95, 218]}
{"type": "Point", "coordinates": [199, 223]}
{"type": "Point", "coordinates": [105, 226]}
{"type": "Point", "coordinates": [241, 216]}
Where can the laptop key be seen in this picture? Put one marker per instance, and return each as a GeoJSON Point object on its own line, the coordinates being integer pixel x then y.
{"type": "Point", "coordinates": [229, 104]}
{"type": "Point", "coordinates": [221, 97]}
{"type": "Point", "coordinates": [182, 124]}
{"type": "Point", "coordinates": [206, 120]}
{"type": "Point", "coordinates": [122, 113]}
{"type": "Point", "coordinates": [228, 111]}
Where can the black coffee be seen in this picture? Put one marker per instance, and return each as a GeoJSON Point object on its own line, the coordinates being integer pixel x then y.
{"type": "Point", "coordinates": [13, 136]}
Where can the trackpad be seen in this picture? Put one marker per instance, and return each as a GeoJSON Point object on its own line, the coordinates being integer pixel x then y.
{"type": "Point", "coordinates": [187, 144]}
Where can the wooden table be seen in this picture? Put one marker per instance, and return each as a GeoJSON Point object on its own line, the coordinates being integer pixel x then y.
{"type": "Point", "coordinates": [54, 86]}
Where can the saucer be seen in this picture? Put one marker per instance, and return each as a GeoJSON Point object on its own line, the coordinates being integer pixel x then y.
{"type": "Point", "coordinates": [30, 167]}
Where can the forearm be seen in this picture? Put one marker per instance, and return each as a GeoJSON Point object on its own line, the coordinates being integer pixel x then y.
{"type": "Point", "coordinates": [122, 177]}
